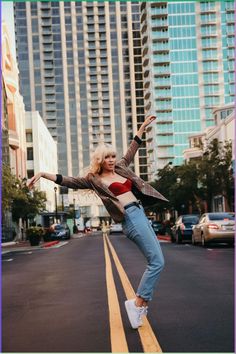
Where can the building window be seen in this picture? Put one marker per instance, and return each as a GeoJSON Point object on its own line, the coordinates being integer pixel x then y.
{"type": "Point", "coordinates": [30, 154]}
{"type": "Point", "coordinates": [29, 137]}
{"type": "Point", "coordinates": [30, 173]}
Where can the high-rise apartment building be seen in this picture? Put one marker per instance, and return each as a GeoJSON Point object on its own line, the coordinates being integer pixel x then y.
{"type": "Point", "coordinates": [81, 67]}
{"type": "Point", "coordinates": [188, 59]}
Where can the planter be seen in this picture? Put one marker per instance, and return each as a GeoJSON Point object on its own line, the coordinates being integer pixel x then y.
{"type": "Point", "coordinates": [34, 235]}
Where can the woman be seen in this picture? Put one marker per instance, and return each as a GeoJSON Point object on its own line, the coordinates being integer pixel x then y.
{"type": "Point", "coordinates": [123, 193]}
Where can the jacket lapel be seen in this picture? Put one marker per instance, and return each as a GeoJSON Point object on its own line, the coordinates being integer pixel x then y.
{"type": "Point", "coordinates": [100, 186]}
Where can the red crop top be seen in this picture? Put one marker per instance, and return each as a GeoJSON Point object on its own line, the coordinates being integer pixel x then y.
{"type": "Point", "coordinates": [118, 188]}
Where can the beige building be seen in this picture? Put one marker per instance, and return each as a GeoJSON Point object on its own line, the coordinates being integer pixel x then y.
{"type": "Point", "coordinates": [41, 155]}
{"type": "Point", "coordinates": [224, 130]}
{"type": "Point", "coordinates": [15, 109]}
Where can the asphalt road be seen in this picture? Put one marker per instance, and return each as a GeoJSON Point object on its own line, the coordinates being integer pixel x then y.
{"type": "Point", "coordinates": [57, 299]}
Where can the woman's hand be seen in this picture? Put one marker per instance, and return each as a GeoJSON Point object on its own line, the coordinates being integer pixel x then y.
{"type": "Point", "coordinates": [34, 179]}
{"type": "Point", "coordinates": [147, 122]}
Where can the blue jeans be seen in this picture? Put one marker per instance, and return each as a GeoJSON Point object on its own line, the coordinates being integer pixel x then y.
{"type": "Point", "coordinates": [137, 228]}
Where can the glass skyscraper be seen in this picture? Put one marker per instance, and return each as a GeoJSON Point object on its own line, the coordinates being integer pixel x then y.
{"type": "Point", "coordinates": [188, 59]}
{"type": "Point", "coordinates": [80, 66]}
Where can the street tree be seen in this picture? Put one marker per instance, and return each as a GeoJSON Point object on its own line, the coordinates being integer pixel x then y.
{"type": "Point", "coordinates": [26, 203]}
{"type": "Point", "coordinates": [215, 173]}
{"type": "Point", "coordinates": [17, 198]}
{"type": "Point", "coordinates": [191, 187]}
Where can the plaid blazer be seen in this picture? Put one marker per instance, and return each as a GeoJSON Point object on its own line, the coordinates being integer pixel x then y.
{"type": "Point", "coordinates": [142, 190]}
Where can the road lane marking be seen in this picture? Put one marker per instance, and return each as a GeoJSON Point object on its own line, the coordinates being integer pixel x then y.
{"type": "Point", "coordinates": [149, 341]}
{"type": "Point", "coordinates": [8, 260]}
{"type": "Point", "coordinates": [117, 333]}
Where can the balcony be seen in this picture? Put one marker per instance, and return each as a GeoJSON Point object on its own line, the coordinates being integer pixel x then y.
{"type": "Point", "coordinates": [47, 38]}
{"type": "Point", "coordinates": [229, 7]}
{"type": "Point", "coordinates": [210, 45]}
{"type": "Point", "coordinates": [158, 12]}
{"type": "Point", "coordinates": [209, 34]}
{"type": "Point", "coordinates": [230, 18]}
{"type": "Point", "coordinates": [48, 48]}
{"type": "Point", "coordinates": [48, 65]}
{"type": "Point", "coordinates": [50, 107]}
{"type": "Point", "coordinates": [46, 31]}
{"type": "Point", "coordinates": [163, 143]}
{"type": "Point", "coordinates": [162, 82]}
{"type": "Point", "coordinates": [163, 107]}
{"type": "Point", "coordinates": [161, 70]}
{"type": "Point", "coordinates": [49, 91]}
{"type": "Point", "coordinates": [50, 98]}
{"type": "Point", "coordinates": [230, 42]}
{"type": "Point", "coordinates": [48, 56]}
{"type": "Point", "coordinates": [46, 13]}
{"type": "Point", "coordinates": [163, 93]}
{"type": "Point", "coordinates": [208, 21]}
{"type": "Point", "coordinates": [160, 47]}
{"type": "Point", "coordinates": [207, 9]}
{"type": "Point", "coordinates": [158, 23]}
{"type": "Point", "coordinates": [160, 35]}
{"type": "Point", "coordinates": [164, 117]}
{"type": "Point", "coordinates": [45, 5]}
{"type": "Point", "coordinates": [230, 31]}
{"type": "Point", "coordinates": [49, 82]}
{"type": "Point", "coordinates": [162, 58]}
{"type": "Point", "coordinates": [48, 73]}
{"type": "Point", "coordinates": [46, 22]}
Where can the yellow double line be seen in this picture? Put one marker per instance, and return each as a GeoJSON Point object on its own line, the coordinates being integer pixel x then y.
{"type": "Point", "coordinates": [117, 333]}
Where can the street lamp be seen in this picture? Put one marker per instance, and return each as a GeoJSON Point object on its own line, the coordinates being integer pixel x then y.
{"type": "Point", "coordinates": [74, 210]}
{"type": "Point", "coordinates": [55, 190]}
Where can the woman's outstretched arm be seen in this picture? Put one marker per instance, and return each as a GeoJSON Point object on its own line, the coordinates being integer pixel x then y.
{"type": "Point", "coordinates": [129, 156]}
{"type": "Point", "coordinates": [70, 182]}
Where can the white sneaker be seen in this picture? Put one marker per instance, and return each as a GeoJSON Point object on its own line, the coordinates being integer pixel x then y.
{"type": "Point", "coordinates": [135, 313]}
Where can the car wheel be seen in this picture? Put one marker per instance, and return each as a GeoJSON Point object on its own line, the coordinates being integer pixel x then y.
{"type": "Point", "coordinates": [203, 241]}
{"type": "Point", "coordinates": [178, 237]}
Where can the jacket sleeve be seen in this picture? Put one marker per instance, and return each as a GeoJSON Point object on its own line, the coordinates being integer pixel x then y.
{"type": "Point", "coordinates": [73, 182]}
{"type": "Point", "coordinates": [129, 156]}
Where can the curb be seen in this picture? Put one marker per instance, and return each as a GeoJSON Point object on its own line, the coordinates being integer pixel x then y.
{"type": "Point", "coordinates": [49, 244]}
{"type": "Point", "coordinates": [165, 238]}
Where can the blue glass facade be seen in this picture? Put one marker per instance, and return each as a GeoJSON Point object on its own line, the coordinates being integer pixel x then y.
{"type": "Point", "coordinates": [190, 70]}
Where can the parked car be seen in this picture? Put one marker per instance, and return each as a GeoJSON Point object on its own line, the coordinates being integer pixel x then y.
{"type": "Point", "coordinates": [183, 228]}
{"type": "Point", "coordinates": [115, 228]}
{"type": "Point", "coordinates": [158, 227]}
{"type": "Point", "coordinates": [214, 227]}
{"type": "Point", "coordinates": [59, 232]}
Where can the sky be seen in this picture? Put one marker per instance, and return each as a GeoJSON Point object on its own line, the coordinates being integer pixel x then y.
{"type": "Point", "coordinates": [8, 17]}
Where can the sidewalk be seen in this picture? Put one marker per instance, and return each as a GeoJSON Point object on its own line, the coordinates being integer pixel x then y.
{"type": "Point", "coordinates": [20, 246]}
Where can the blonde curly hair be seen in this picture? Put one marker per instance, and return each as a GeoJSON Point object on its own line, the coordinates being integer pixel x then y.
{"type": "Point", "coordinates": [99, 155]}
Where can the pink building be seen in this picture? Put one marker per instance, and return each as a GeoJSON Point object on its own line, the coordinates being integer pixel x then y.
{"type": "Point", "coordinates": [15, 109]}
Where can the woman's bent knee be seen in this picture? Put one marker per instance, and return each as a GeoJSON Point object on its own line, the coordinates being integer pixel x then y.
{"type": "Point", "coordinates": [157, 262]}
